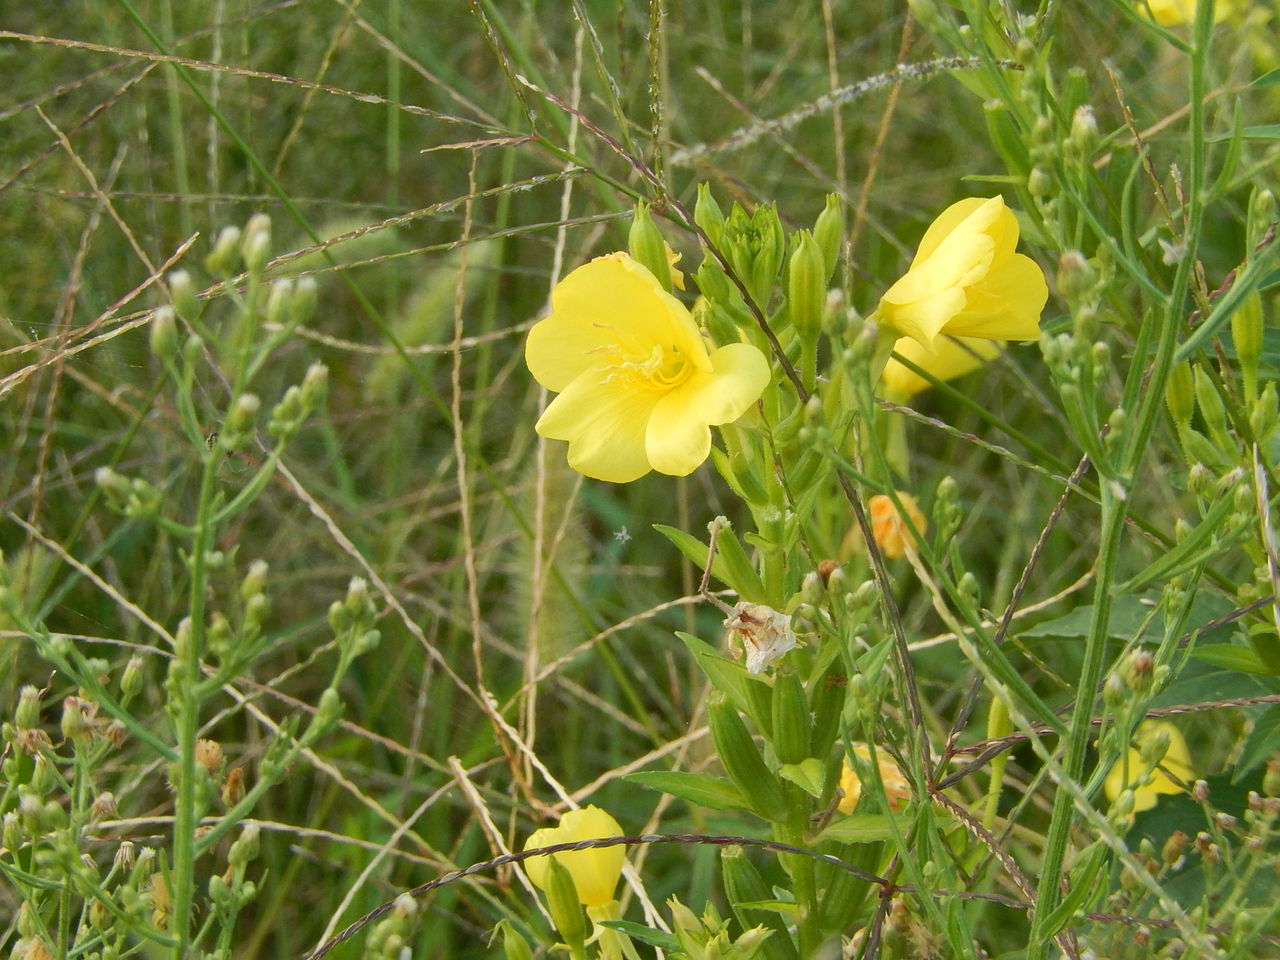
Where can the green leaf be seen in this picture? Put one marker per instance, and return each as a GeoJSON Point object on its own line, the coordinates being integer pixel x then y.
{"type": "Point", "coordinates": [728, 677]}
{"type": "Point", "coordinates": [730, 565]}
{"type": "Point", "coordinates": [1263, 740]}
{"type": "Point", "coordinates": [1269, 79]}
{"type": "Point", "coordinates": [697, 788]}
{"type": "Point", "coordinates": [1230, 657]}
{"type": "Point", "coordinates": [808, 775]}
{"type": "Point", "coordinates": [859, 828]}
{"type": "Point", "coordinates": [1268, 131]}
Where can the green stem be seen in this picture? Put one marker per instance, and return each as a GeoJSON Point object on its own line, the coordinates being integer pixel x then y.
{"type": "Point", "coordinates": [186, 700]}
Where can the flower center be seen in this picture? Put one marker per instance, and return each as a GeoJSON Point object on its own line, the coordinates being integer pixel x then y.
{"type": "Point", "coordinates": [662, 369]}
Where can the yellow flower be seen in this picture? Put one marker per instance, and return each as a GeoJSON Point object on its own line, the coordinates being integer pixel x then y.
{"type": "Point", "coordinates": [1177, 761]}
{"type": "Point", "coordinates": [966, 280]}
{"type": "Point", "coordinates": [638, 389]}
{"type": "Point", "coordinates": [595, 871]}
{"type": "Point", "coordinates": [896, 787]}
{"type": "Point", "coordinates": [950, 357]}
{"type": "Point", "coordinates": [1173, 13]}
{"type": "Point", "coordinates": [888, 527]}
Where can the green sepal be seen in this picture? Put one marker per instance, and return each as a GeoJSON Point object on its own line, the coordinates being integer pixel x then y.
{"type": "Point", "coordinates": [809, 775]}
{"type": "Point", "coordinates": [730, 565]}
{"type": "Point", "coordinates": [741, 759]}
{"type": "Point", "coordinates": [743, 886]}
{"type": "Point", "coordinates": [791, 722]}
{"type": "Point", "coordinates": [565, 906]}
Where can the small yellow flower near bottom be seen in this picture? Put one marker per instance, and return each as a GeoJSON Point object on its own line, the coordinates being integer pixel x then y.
{"type": "Point", "coordinates": [896, 787]}
{"type": "Point", "coordinates": [1177, 761]}
{"type": "Point", "coordinates": [595, 871]}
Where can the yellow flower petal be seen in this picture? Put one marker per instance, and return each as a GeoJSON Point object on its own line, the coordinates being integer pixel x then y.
{"type": "Point", "coordinates": [949, 358]}
{"type": "Point", "coordinates": [967, 280]}
{"type": "Point", "coordinates": [678, 438]}
{"type": "Point", "coordinates": [1177, 761]}
{"type": "Point", "coordinates": [595, 871]}
{"type": "Point", "coordinates": [608, 304]}
{"type": "Point", "coordinates": [638, 389]}
{"type": "Point", "coordinates": [605, 427]}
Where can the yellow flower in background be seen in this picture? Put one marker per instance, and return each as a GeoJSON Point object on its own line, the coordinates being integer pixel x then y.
{"type": "Point", "coordinates": [967, 281]}
{"type": "Point", "coordinates": [888, 527]}
{"type": "Point", "coordinates": [595, 871]}
{"type": "Point", "coordinates": [1177, 761]}
{"type": "Point", "coordinates": [948, 358]}
{"type": "Point", "coordinates": [1173, 13]}
{"type": "Point", "coordinates": [639, 390]}
{"type": "Point", "coordinates": [896, 787]}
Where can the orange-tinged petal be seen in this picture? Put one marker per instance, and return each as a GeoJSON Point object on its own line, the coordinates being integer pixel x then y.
{"type": "Point", "coordinates": [677, 439]}
{"type": "Point", "coordinates": [604, 422]}
{"type": "Point", "coordinates": [605, 307]}
{"type": "Point", "coordinates": [950, 357]}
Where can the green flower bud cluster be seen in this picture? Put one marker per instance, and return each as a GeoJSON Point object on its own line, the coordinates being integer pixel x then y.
{"type": "Point", "coordinates": [134, 498]}
{"type": "Point", "coordinates": [707, 937]}
{"type": "Point", "coordinates": [299, 402]}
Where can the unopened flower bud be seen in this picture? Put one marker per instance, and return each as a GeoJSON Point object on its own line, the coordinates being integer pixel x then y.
{"type": "Point", "coordinates": [1084, 131]}
{"type": "Point", "coordinates": [233, 789]}
{"type": "Point", "coordinates": [1076, 276]}
{"type": "Point", "coordinates": [225, 256]}
{"type": "Point", "coordinates": [807, 286]}
{"type": "Point", "coordinates": [257, 242]}
{"type": "Point", "coordinates": [77, 719]}
{"type": "Point", "coordinates": [131, 680]}
{"type": "Point", "coordinates": [302, 305]}
{"type": "Point", "coordinates": [27, 714]}
{"type": "Point", "coordinates": [828, 231]}
{"type": "Point", "coordinates": [1271, 779]}
{"type": "Point", "coordinates": [1200, 791]}
{"type": "Point", "coordinates": [1138, 669]}
{"type": "Point", "coordinates": [11, 831]}
{"type": "Point", "coordinates": [278, 302]}
{"type": "Point", "coordinates": [647, 247]}
{"type": "Point", "coordinates": [104, 807]}
{"type": "Point", "coordinates": [164, 334]}
{"type": "Point", "coordinates": [1174, 848]}
{"type": "Point", "coordinates": [245, 848]}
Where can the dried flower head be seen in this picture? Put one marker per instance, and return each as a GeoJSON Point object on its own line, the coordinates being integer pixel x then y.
{"type": "Point", "coordinates": [765, 634]}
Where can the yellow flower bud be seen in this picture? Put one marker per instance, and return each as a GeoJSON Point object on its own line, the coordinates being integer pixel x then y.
{"type": "Point", "coordinates": [967, 281]}
{"type": "Point", "coordinates": [595, 871]}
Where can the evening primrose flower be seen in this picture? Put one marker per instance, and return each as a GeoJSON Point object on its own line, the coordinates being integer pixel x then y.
{"type": "Point", "coordinates": [595, 871]}
{"type": "Point", "coordinates": [1147, 790]}
{"type": "Point", "coordinates": [948, 358]}
{"type": "Point", "coordinates": [1173, 13]}
{"type": "Point", "coordinates": [639, 390]}
{"type": "Point", "coordinates": [888, 526]}
{"type": "Point", "coordinates": [967, 281]}
{"type": "Point", "coordinates": [896, 788]}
